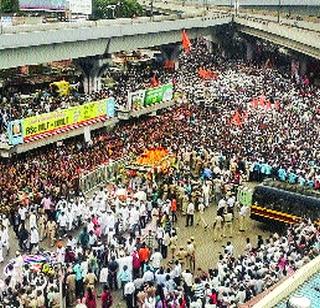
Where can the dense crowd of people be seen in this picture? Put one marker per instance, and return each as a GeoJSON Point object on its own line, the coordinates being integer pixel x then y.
{"type": "Point", "coordinates": [249, 122]}
{"type": "Point", "coordinates": [18, 106]}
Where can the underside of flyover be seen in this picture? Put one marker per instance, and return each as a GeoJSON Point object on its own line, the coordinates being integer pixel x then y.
{"type": "Point", "coordinates": [281, 41]}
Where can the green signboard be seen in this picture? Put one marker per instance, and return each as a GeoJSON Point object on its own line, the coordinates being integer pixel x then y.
{"type": "Point", "coordinates": [157, 95]}
{"type": "Point", "coordinates": [245, 197]}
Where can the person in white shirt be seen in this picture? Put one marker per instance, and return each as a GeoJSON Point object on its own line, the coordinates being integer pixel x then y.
{"type": "Point", "coordinates": [206, 193]}
{"type": "Point", "coordinates": [242, 217]}
{"type": "Point", "coordinates": [188, 279]}
{"type": "Point", "coordinates": [23, 213]}
{"type": "Point", "coordinates": [148, 276]}
{"type": "Point", "coordinates": [33, 220]}
{"type": "Point", "coordinates": [156, 259]}
{"type": "Point", "coordinates": [34, 238]}
{"type": "Point", "coordinates": [229, 249]}
{"type": "Point", "coordinates": [1, 251]}
{"type": "Point", "coordinates": [190, 214]}
{"type": "Point", "coordinates": [62, 221]}
{"type": "Point", "coordinates": [4, 237]}
{"type": "Point", "coordinates": [128, 292]}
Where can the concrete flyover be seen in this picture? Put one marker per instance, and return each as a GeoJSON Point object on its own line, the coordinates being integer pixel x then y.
{"type": "Point", "coordinates": [32, 45]}
{"type": "Point", "coordinates": [301, 36]}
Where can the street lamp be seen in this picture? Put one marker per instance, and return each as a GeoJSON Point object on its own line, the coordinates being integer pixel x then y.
{"type": "Point", "coordinates": [279, 8]}
{"type": "Point", "coordinates": [236, 7]}
{"type": "Point", "coordinates": [151, 9]}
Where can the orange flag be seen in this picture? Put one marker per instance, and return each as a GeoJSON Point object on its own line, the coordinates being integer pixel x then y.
{"type": "Point", "coordinates": [186, 44]}
{"type": "Point", "coordinates": [236, 119]}
{"type": "Point", "coordinates": [254, 103]}
{"type": "Point", "coordinates": [262, 100]}
{"type": "Point", "coordinates": [206, 74]}
{"type": "Point", "coordinates": [268, 105]}
{"type": "Point", "coordinates": [154, 81]}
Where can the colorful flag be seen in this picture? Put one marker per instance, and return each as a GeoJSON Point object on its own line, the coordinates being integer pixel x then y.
{"type": "Point", "coordinates": [206, 74]}
{"type": "Point", "coordinates": [236, 119]}
{"type": "Point", "coordinates": [154, 81]}
{"type": "Point", "coordinates": [268, 105]}
{"type": "Point", "coordinates": [186, 44]}
{"type": "Point", "coordinates": [254, 103]}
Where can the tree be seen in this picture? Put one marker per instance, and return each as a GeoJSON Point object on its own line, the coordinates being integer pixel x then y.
{"type": "Point", "coordinates": [116, 9]}
{"type": "Point", "coordinates": [9, 6]}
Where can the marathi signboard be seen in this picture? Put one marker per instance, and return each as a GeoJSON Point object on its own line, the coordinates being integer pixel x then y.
{"type": "Point", "coordinates": [151, 96]}
{"type": "Point", "coordinates": [83, 7]}
{"type": "Point", "coordinates": [158, 95]}
{"type": "Point", "coordinates": [60, 121]}
{"type": "Point", "coordinates": [136, 100]}
{"type": "Point", "coordinates": [43, 5]}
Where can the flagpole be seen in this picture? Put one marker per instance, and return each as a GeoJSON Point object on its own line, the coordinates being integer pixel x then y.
{"type": "Point", "coordinates": [151, 9]}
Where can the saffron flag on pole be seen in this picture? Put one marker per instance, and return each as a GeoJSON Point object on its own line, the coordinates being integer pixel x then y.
{"type": "Point", "coordinates": [154, 81]}
{"type": "Point", "coordinates": [207, 74]}
{"type": "Point", "coordinates": [254, 103]}
{"type": "Point", "coordinates": [268, 105]}
{"type": "Point", "coordinates": [236, 119]}
{"type": "Point", "coordinates": [186, 44]}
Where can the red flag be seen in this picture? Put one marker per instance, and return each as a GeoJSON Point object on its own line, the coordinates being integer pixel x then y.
{"type": "Point", "coordinates": [206, 74]}
{"type": "Point", "coordinates": [262, 100]}
{"type": "Point", "coordinates": [268, 105]}
{"type": "Point", "coordinates": [277, 105]}
{"type": "Point", "coordinates": [236, 119]}
{"type": "Point", "coordinates": [186, 44]}
{"type": "Point", "coordinates": [254, 103]}
{"type": "Point", "coordinates": [154, 81]}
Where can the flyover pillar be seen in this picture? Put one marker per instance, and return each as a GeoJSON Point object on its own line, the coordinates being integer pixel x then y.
{"type": "Point", "coordinates": [303, 66]}
{"type": "Point", "coordinates": [249, 51]}
{"type": "Point", "coordinates": [92, 69]}
{"type": "Point", "coordinates": [171, 53]}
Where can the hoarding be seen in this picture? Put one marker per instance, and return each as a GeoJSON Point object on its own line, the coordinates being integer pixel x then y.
{"type": "Point", "coordinates": [43, 5]}
{"type": "Point", "coordinates": [59, 121]}
{"type": "Point", "coordinates": [83, 7]}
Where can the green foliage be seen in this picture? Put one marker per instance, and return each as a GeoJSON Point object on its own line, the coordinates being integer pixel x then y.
{"type": "Point", "coordinates": [122, 9]}
{"type": "Point", "coordinates": [9, 6]}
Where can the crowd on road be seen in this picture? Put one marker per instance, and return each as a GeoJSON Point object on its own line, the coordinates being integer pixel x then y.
{"type": "Point", "coordinates": [128, 241]}
{"type": "Point", "coordinates": [248, 122]}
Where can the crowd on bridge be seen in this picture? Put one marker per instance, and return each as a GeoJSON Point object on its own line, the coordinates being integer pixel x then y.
{"type": "Point", "coordinates": [248, 122]}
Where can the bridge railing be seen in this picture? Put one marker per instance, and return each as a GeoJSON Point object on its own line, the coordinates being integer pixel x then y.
{"type": "Point", "coordinates": [103, 23]}
{"type": "Point", "coordinates": [305, 25]}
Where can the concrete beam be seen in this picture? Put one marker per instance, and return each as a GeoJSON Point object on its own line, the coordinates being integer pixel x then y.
{"type": "Point", "coordinates": [32, 48]}
{"type": "Point", "coordinates": [282, 41]}
{"type": "Point", "coordinates": [299, 39]}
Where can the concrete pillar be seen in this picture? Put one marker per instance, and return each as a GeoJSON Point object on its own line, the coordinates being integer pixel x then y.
{"type": "Point", "coordinates": [250, 51]}
{"type": "Point", "coordinates": [303, 66]}
{"type": "Point", "coordinates": [170, 52]}
{"type": "Point", "coordinates": [92, 69]}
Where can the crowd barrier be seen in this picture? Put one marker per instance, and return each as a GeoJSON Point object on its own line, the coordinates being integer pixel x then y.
{"type": "Point", "coordinates": [103, 174]}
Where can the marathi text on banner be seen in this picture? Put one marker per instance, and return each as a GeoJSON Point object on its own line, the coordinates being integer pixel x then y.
{"type": "Point", "coordinates": [157, 95]}
{"type": "Point", "coordinates": [54, 120]}
{"type": "Point", "coordinates": [14, 132]}
{"type": "Point", "coordinates": [160, 94]}
{"type": "Point", "coordinates": [151, 96]}
{"type": "Point", "coordinates": [136, 100]}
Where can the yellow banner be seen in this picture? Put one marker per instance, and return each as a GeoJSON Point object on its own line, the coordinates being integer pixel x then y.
{"type": "Point", "coordinates": [57, 119]}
